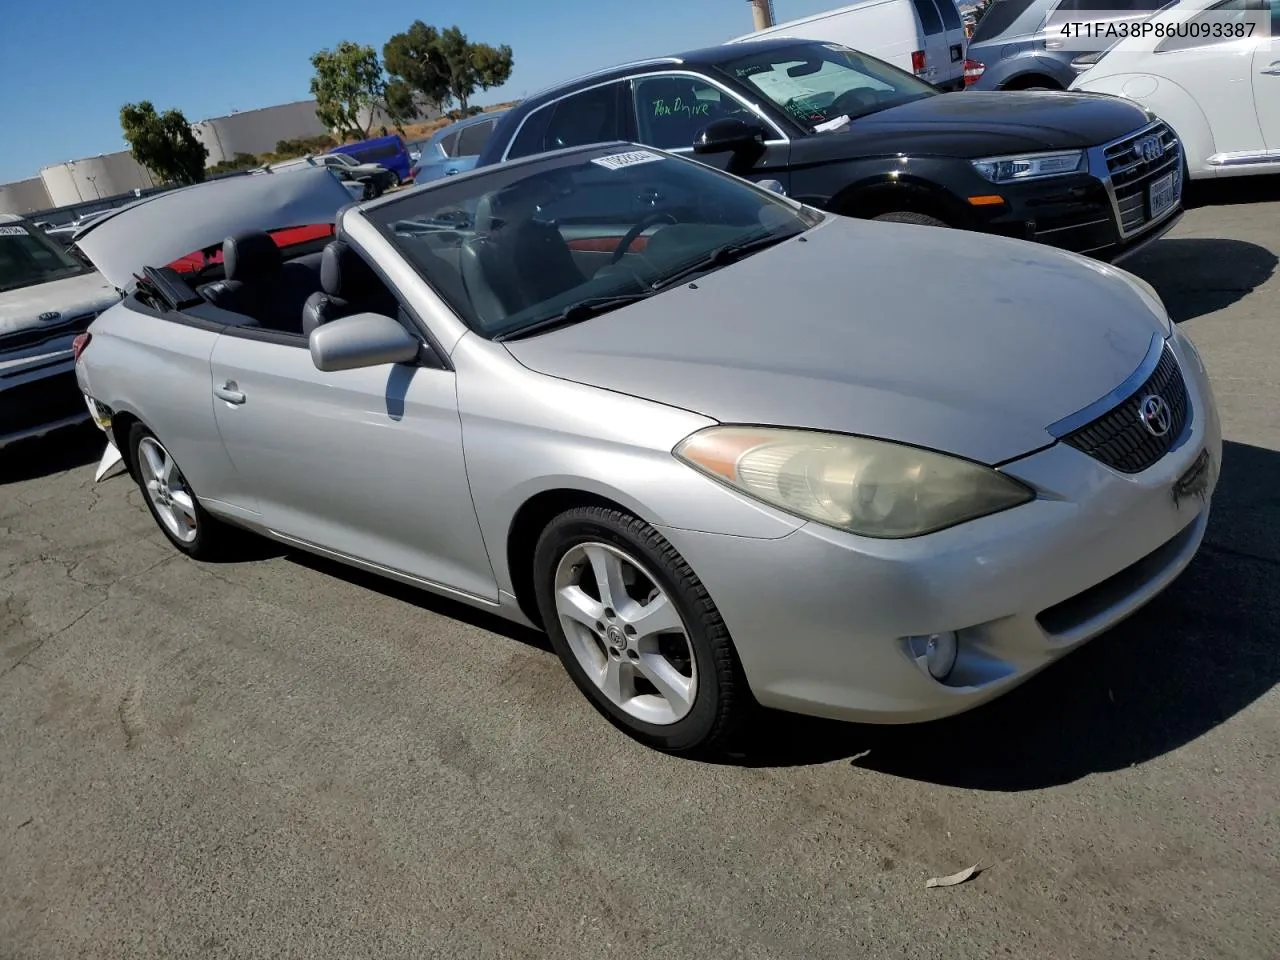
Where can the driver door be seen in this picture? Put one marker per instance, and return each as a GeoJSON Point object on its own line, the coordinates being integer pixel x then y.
{"type": "Point", "coordinates": [670, 109]}
{"type": "Point", "coordinates": [363, 464]}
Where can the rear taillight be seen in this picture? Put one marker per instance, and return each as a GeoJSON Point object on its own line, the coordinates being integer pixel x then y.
{"type": "Point", "coordinates": [973, 70]}
{"type": "Point", "coordinates": [917, 61]}
{"type": "Point", "coordinates": [79, 343]}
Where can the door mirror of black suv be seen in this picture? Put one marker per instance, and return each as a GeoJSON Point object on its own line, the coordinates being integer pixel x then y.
{"type": "Point", "coordinates": [729, 135]}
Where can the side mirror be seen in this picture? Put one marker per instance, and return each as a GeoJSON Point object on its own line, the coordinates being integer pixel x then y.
{"type": "Point", "coordinates": [728, 135]}
{"type": "Point", "coordinates": [361, 340]}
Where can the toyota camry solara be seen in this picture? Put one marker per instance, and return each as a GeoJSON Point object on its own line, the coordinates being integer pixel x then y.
{"type": "Point", "coordinates": [725, 449]}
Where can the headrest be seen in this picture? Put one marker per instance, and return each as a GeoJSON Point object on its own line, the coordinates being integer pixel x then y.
{"type": "Point", "coordinates": [249, 256]}
{"type": "Point", "coordinates": [515, 204]}
{"type": "Point", "coordinates": [346, 274]}
{"type": "Point", "coordinates": [485, 221]}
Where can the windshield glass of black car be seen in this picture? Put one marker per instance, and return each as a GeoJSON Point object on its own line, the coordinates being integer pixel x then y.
{"type": "Point", "coordinates": [817, 83]}
{"type": "Point", "coordinates": [522, 245]}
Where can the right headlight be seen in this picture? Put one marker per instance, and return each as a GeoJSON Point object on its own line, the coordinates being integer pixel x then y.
{"type": "Point", "coordinates": [873, 488]}
{"type": "Point", "coordinates": [1030, 166]}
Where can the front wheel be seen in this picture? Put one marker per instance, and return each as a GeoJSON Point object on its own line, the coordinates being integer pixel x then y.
{"type": "Point", "coordinates": [638, 632]}
{"type": "Point", "coordinates": [910, 216]}
{"type": "Point", "coordinates": [172, 503]}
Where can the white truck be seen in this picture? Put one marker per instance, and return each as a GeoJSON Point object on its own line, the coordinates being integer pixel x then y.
{"type": "Point", "coordinates": [924, 37]}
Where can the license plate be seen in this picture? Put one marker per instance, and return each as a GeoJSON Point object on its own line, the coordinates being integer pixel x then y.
{"type": "Point", "coordinates": [1194, 484]}
{"type": "Point", "coordinates": [1162, 194]}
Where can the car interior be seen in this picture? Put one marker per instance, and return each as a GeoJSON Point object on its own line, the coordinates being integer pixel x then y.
{"type": "Point", "coordinates": [507, 258]}
{"type": "Point", "coordinates": [295, 295]}
{"type": "Point", "coordinates": [514, 257]}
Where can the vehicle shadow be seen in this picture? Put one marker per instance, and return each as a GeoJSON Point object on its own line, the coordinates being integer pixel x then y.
{"type": "Point", "coordinates": [1232, 191]}
{"type": "Point", "coordinates": [441, 606]}
{"type": "Point", "coordinates": [56, 452]}
{"type": "Point", "coordinates": [1195, 276]}
{"type": "Point", "coordinates": [1204, 650]}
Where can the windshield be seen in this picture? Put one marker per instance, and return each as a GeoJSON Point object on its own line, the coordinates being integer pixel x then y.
{"type": "Point", "coordinates": [27, 258]}
{"type": "Point", "coordinates": [521, 245]}
{"type": "Point", "coordinates": [817, 83]}
{"type": "Point", "coordinates": [341, 158]}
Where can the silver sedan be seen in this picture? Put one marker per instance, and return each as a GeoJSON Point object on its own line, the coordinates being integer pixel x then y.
{"type": "Point", "coordinates": [725, 449]}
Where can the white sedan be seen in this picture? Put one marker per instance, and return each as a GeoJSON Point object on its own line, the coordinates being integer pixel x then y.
{"type": "Point", "coordinates": [1211, 70]}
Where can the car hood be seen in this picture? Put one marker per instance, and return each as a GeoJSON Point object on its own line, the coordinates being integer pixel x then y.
{"type": "Point", "coordinates": [70, 297]}
{"type": "Point", "coordinates": [159, 229]}
{"type": "Point", "coordinates": [954, 341]}
{"type": "Point", "coordinates": [979, 123]}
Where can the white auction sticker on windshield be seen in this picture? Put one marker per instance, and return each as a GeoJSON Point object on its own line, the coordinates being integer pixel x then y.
{"type": "Point", "coordinates": [617, 161]}
{"type": "Point", "coordinates": [11, 231]}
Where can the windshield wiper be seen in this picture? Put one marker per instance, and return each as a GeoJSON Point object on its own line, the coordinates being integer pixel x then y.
{"type": "Point", "coordinates": [575, 313]}
{"type": "Point", "coordinates": [723, 256]}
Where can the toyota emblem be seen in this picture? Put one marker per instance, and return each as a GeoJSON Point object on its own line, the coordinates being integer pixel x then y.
{"type": "Point", "coordinates": [1149, 149]}
{"type": "Point", "coordinates": [1155, 415]}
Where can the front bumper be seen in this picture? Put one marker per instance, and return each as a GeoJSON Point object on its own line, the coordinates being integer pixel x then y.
{"type": "Point", "coordinates": [817, 616]}
{"type": "Point", "coordinates": [39, 395]}
{"type": "Point", "coordinates": [1103, 213]}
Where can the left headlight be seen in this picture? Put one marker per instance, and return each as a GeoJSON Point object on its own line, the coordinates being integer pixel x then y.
{"type": "Point", "coordinates": [873, 488]}
{"type": "Point", "coordinates": [1031, 166]}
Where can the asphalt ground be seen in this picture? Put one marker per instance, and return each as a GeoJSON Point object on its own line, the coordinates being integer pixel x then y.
{"type": "Point", "coordinates": [282, 758]}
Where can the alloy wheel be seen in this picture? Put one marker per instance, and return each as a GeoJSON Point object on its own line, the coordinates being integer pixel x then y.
{"type": "Point", "coordinates": [167, 490]}
{"type": "Point", "coordinates": [626, 633]}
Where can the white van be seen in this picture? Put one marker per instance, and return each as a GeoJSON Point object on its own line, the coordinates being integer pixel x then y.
{"type": "Point", "coordinates": [925, 37]}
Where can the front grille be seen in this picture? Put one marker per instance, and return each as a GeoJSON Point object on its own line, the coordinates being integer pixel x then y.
{"type": "Point", "coordinates": [22, 339]}
{"type": "Point", "coordinates": [1120, 439]}
{"type": "Point", "coordinates": [1131, 175]}
{"type": "Point", "coordinates": [39, 402]}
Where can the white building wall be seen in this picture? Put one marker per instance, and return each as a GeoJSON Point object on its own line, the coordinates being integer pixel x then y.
{"type": "Point", "coordinates": [257, 131]}
{"type": "Point", "coordinates": [24, 196]}
{"type": "Point", "coordinates": [94, 178]}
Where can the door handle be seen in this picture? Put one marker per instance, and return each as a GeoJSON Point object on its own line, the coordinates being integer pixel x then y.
{"type": "Point", "coordinates": [229, 392]}
{"type": "Point", "coordinates": [1273, 69]}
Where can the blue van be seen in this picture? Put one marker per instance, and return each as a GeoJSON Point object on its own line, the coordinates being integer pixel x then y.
{"type": "Point", "coordinates": [389, 151]}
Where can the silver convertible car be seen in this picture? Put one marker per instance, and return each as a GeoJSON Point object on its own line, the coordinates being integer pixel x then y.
{"type": "Point", "coordinates": [725, 449]}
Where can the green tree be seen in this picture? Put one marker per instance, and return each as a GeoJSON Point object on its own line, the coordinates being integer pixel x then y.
{"type": "Point", "coordinates": [418, 71]}
{"type": "Point", "coordinates": [400, 104]}
{"type": "Point", "coordinates": [163, 143]}
{"type": "Point", "coordinates": [471, 66]}
{"type": "Point", "coordinates": [242, 161]}
{"type": "Point", "coordinates": [348, 81]}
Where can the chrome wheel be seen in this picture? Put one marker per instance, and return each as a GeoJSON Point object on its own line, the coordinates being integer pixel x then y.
{"type": "Point", "coordinates": [167, 490]}
{"type": "Point", "coordinates": [626, 633]}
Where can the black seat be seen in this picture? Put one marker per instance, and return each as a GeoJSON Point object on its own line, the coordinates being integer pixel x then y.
{"type": "Point", "coordinates": [260, 284]}
{"type": "Point", "coordinates": [348, 285]}
{"type": "Point", "coordinates": [514, 261]}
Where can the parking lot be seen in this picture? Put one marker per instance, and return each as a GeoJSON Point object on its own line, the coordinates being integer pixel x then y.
{"type": "Point", "coordinates": [282, 757]}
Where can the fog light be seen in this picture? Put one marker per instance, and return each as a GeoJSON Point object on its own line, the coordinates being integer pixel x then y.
{"type": "Point", "coordinates": [936, 652]}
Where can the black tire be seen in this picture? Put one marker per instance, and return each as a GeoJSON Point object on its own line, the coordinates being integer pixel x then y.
{"type": "Point", "coordinates": [910, 216]}
{"type": "Point", "coordinates": [212, 537]}
{"type": "Point", "coordinates": [722, 701]}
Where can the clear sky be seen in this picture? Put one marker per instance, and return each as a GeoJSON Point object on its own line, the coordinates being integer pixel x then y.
{"type": "Point", "coordinates": [67, 66]}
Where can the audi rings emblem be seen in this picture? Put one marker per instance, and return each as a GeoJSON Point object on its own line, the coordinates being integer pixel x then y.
{"type": "Point", "coordinates": [1149, 148]}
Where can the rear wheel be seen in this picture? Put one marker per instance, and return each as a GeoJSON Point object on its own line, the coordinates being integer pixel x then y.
{"type": "Point", "coordinates": [637, 631]}
{"type": "Point", "coordinates": [911, 216]}
{"type": "Point", "coordinates": [170, 499]}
